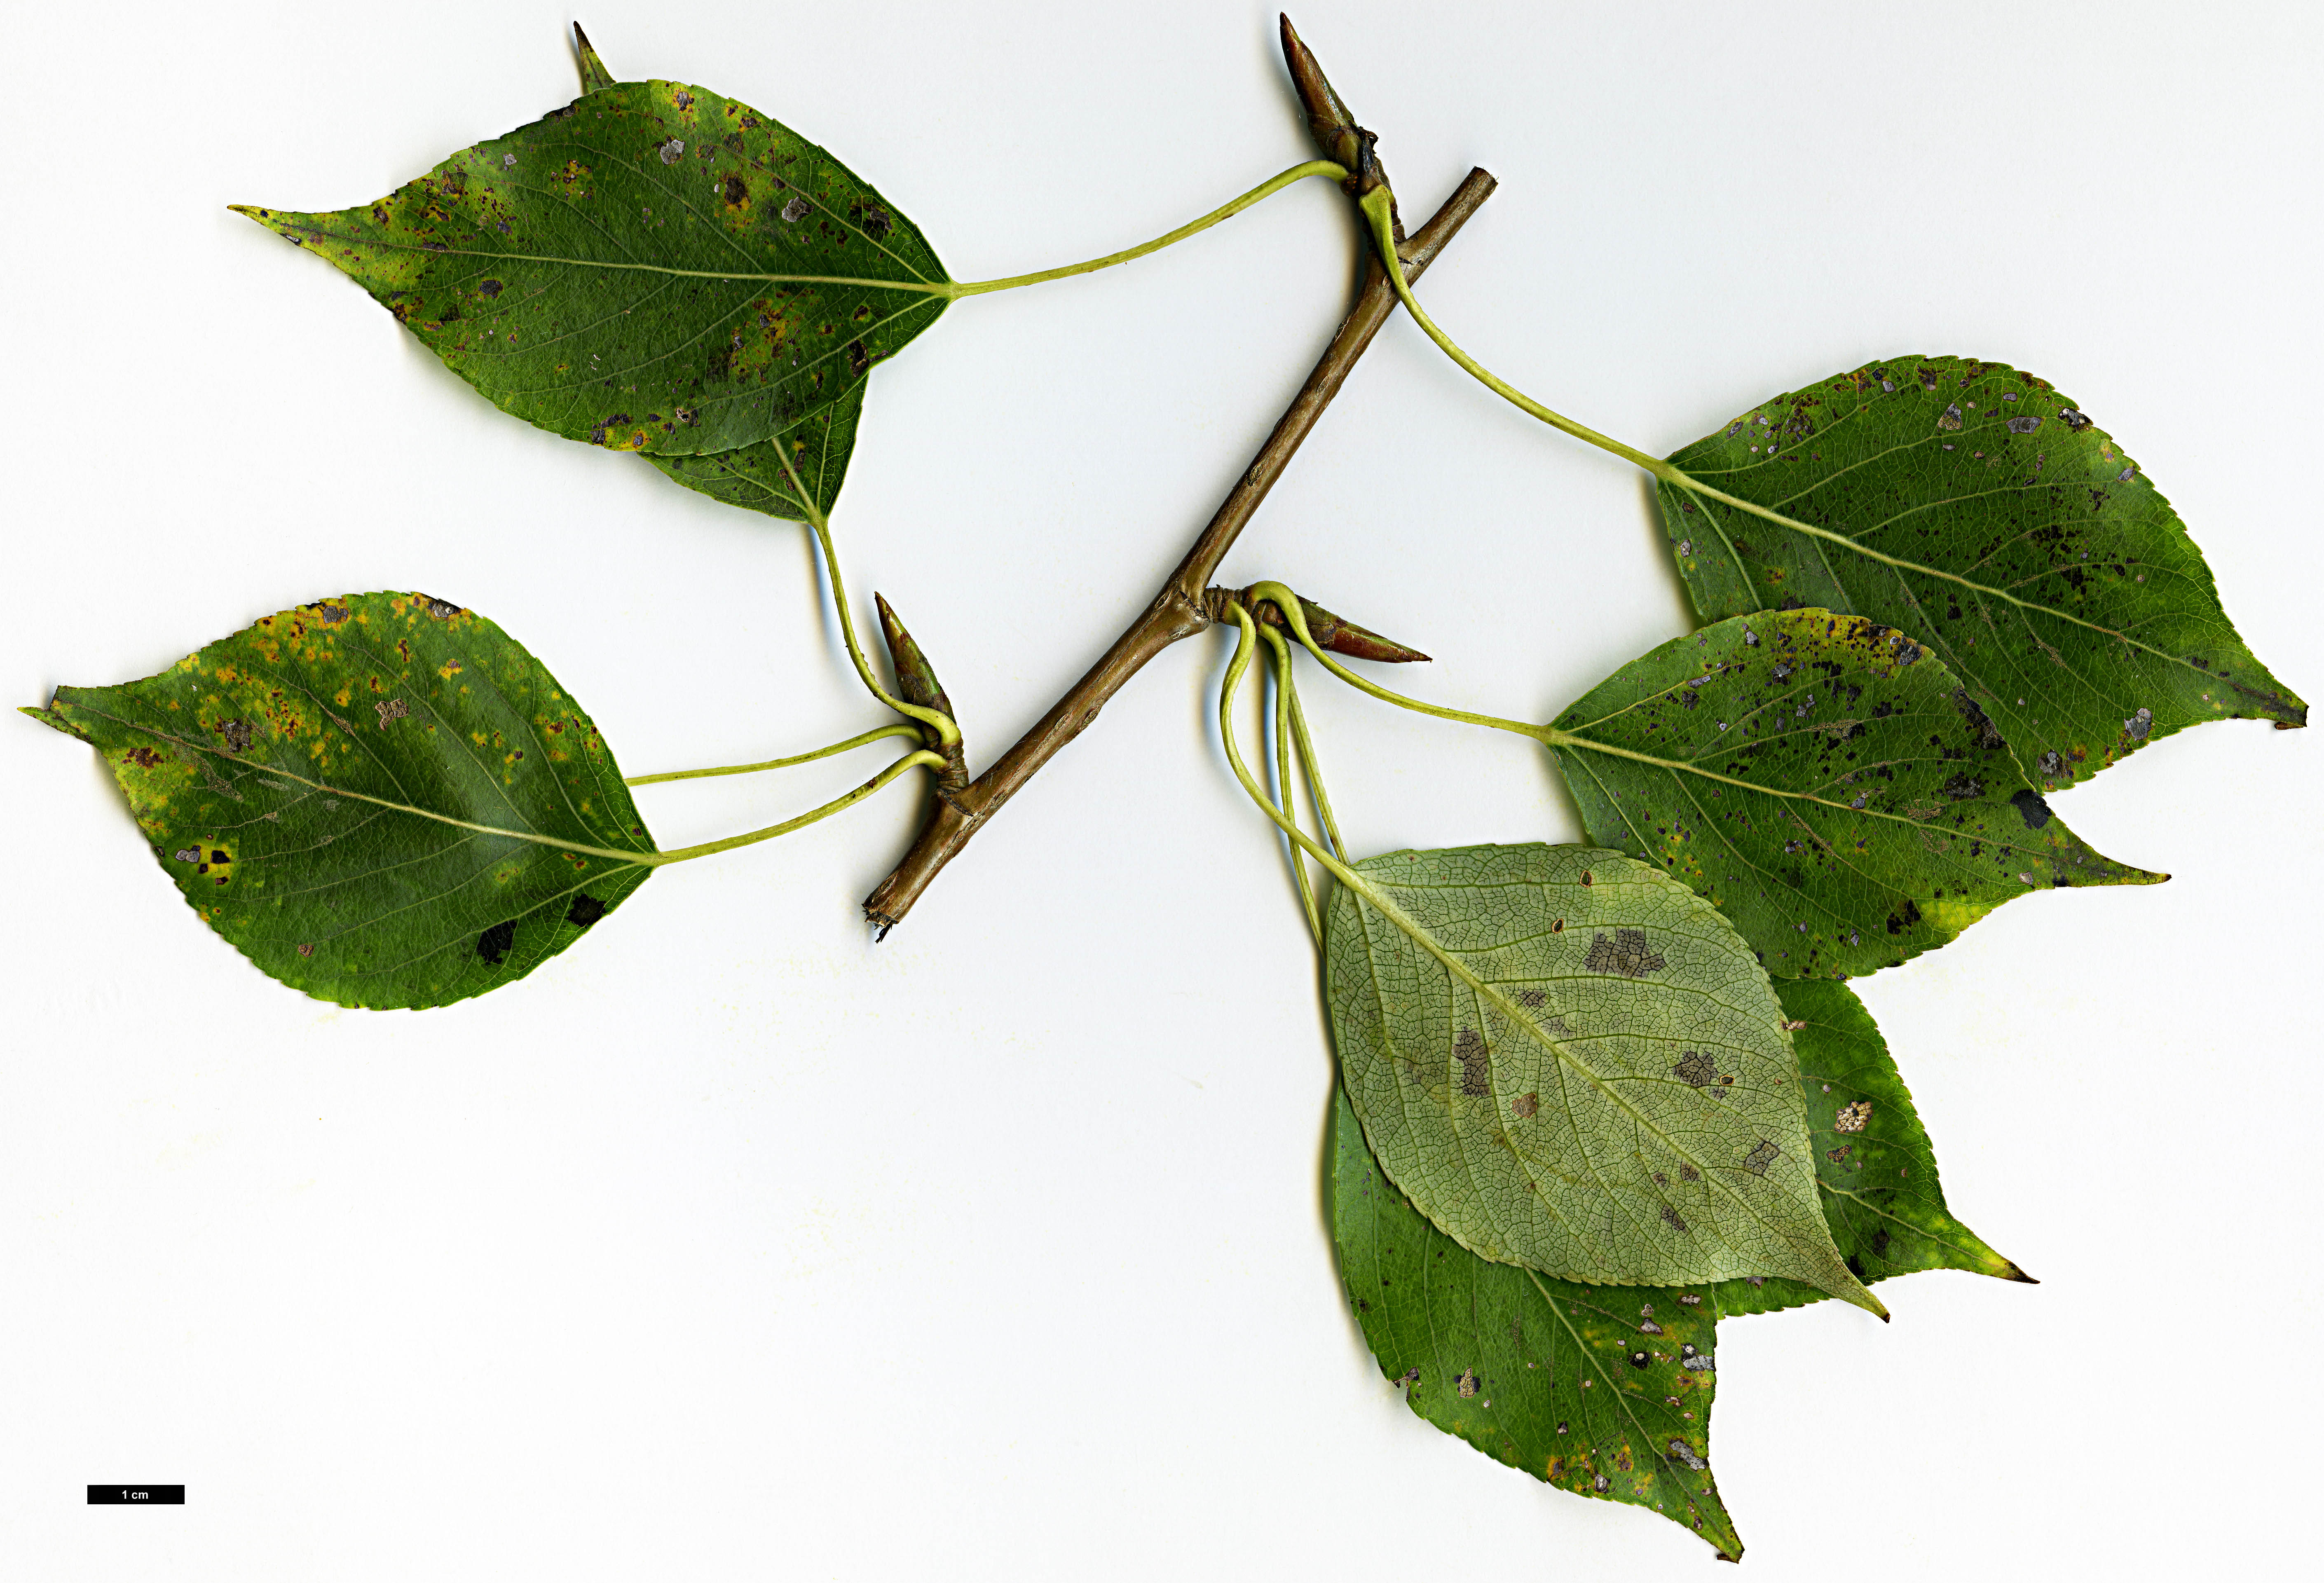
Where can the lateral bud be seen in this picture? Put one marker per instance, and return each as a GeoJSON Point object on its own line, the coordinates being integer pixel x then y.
{"type": "Point", "coordinates": [915, 680]}
{"type": "Point", "coordinates": [1333, 125]}
{"type": "Point", "coordinates": [1335, 633]}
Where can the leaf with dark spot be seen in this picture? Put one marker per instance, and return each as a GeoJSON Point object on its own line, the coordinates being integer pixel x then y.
{"type": "Point", "coordinates": [644, 273]}
{"type": "Point", "coordinates": [1434, 1314]}
{"type": "Point", "coordinates": [2082, 597]}
{"type": "Point", "coordinates": [373, 857]}
{"type": "Point", "coordinates": [1855, 811]}
{"type": "Point", "coordinates": [1430, 1310]}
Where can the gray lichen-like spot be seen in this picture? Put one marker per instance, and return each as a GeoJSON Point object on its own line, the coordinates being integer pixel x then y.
{"type": "Point", "coordinates": [1971, 505]}
{"type": "Point", "coordinates": [381, 800]}
{"type": "Point", "coordinates": [1826, 782]}
{"type": "Point", "coordinates": [655, 267]}
{"type": "Point", "coordinates": [1578, 978]}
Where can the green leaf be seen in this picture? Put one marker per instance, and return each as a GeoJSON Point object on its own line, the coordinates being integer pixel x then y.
{"type": "Point", "coordinates": [1973, 506]}
{"type": "Point", "coordinates": [653, 268]}
{"type": "Point", "coordinates": [1570, 1061]}
{"type": "Point", "coordinates": [1875, 1167]}
{"type": "Point", "coordinates": [1495, 1354]}
{"type": "Point", "coordinates": [794, 475]}
{"type": "Point", "coordinates": [1499, 1356]}
{"type": "Point", "coordinates": [381, 800]}
{"type": "Point", "coordinates": [1822, 780]}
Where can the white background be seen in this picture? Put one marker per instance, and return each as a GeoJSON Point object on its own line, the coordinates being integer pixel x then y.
{"type": "Point", "coordinates": [729, 1244]}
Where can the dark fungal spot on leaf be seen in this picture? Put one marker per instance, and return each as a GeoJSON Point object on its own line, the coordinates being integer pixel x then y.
{"type": "Point", "coordinates": [234, 734]}
{"type": "Point", "coordinates": [1687, 1172]}
{"type": "Point", "coordinates": [1758, 1161]}
{"type": "Point", "coordinates": [1905, 916]}
{"type": "Point", "coordinates": [1532, 999]}
{"type": "Point", "coordinates": [1625, 954]}
{"type": "Point", "coordinates": [795, 210]}
{"type": "Point", "coordinates": [2031, 807]}
{"type": "Point", "coordinates": [1980, 726]}
{"type": "Point", "coordinates": [858, 359]}
{"type": "Point", "coordinates": [1852, 1117]}
{"type": "Point", "coordinates": [1671, 1219]}
{"type": "Point", "coordinates": [736, 191]}
{"type": "Point", "coordinates": [1467, 1384]}
{"type": "Point", "coordinates": [1525, 1105]}
{"type": "Point", "coordinates": [1695, 1067]}
{"type": "Point", "coordinates": [443, 610]}
{"type": "Point", "coordinates": [489, 289]}
{"type": "Point", "coordinates": [585, 911]}
{"type": "Point", "coordinates": [1475, 1065]}
{"type": "Point", "coordinates": [2139, 724]}
{"type": "Point", "coordinates": [494, 943]}
{"type": "Point", "coordinates": [1639, 1360]}
{"type": "Point", "coordinates": [1961, 787]}
{"type": "Point", "coordinates": [2024, 425]}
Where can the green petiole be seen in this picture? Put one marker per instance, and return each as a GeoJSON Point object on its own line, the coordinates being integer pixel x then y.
{"type": "Point", "coordinates": [956, 289]}
{"type": "Point", "coordinates": [750, 838]}
{"type": "Point", "coordinates": [848, 746]}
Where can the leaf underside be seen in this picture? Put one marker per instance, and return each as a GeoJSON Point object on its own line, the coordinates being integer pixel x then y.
{"type": "Point", "coordinates": [1822, 780]}
{"type": "Point", "coordinates": [1969, 504]}
{"type": "Point", "coordinates": [654, 268]}
{"type": "Point", "coordinates": [313, 785]}
{"type": "Point", "coordinates": [1604, 1092]}
{"type": "Point", "coordinates": [1497, 1354]}
{"type": "Point", "coordinates": [795, 475]}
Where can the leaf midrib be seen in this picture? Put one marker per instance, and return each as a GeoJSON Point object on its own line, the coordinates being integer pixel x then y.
{"type": "Point", "coordinates": [638, 860]}
{"type": "Point", "coordinates": [946, 289]}
{"type": "Point", "coordinates": [1682, 480]}
{"type": "Point", "coordinates": [1570, 739]}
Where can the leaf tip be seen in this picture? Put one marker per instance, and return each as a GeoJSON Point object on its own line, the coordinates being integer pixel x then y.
{"type": "Point", "coordinates": [2010, 1272]}
{"type": "Point", "coordinates": [594, 72]}
{"type": "Point", "coordinates": [49, 716]}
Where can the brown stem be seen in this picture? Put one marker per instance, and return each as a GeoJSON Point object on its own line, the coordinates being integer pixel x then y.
{"type": "Point", "coordinates": [1179, 610]}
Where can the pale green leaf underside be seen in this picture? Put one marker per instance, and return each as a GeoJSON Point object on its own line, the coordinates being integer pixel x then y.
{"type": "Point", "coordinates": [1967, 503]}
{"type": "Point", "coordinates": [381, 800]}
{"type": "Point", "coordinates": [1601, 1089]}
{"type": "Point", "coordinates": [1823, 781]}
{"type": "Point", "coordinates": [653, 268]}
